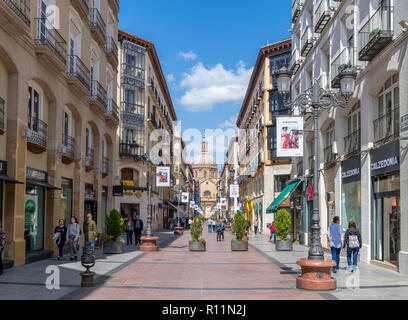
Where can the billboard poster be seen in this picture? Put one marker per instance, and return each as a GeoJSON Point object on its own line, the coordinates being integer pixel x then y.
{"type": "Point", "coordinates": [192, 204]}
{"type": "Point", "coordinates": [234, 191]}
{"type": "Point", "coordinates": [289, 137]}
{"type": "Point", "coordinates": [223, 202]}
{"type": "Point", "coordinates": [184, 197]}
{"type": "Point", "coordinates": [163, 176]}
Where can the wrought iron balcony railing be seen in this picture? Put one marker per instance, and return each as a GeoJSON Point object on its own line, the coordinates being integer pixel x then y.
{"type": "Point", "coordinates": [295, 62]}
{"type": "Point", "coordinates": [352, 142]}
{"type": "Point", "coordinates": [89, 158]}
{"type": "Point", "coordinates": [133, 71]}
{"type": "Point", "coordinates": [297, 6]}
{"type": "Point", "coordinates": [329, 156]}
{"type": "Point", "coordinates": [306, 42]}
{"type": "Point", "coordinates": [343, 61]}
{"type": "Point", "coordinates": [98, 93]}
{"type": "Point", "coordinates": [48, 36]}
{"type": "Point", "coordinates": [387, 124]}
{"type": "Point", "coordinates": [113, 109]}
{"type": "Point", "coordinates": [39, 132]}
{"type": "Point", "coordinates": [105, 165]}
{"type": "Point", "coordinates": [112, 49]}
{"type": "Point", "coordinates": [322, 16]}
{"type": "Point", "coordinates": [21, 8]}
{"type": "Point", "coordinates": [132, 150]}
{"type": "Point", "coordinates": [97, 23]}
{"type": "Point", "coordinates": [77, 69]}
{"type": "Point", "coordinates": [69, 143]}
{"type": "Point", "coordinates": [376, 34]}
{"type": "Point", "coordinates": [137, 109]}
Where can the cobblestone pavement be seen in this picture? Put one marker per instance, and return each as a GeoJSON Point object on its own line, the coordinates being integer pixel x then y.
{"type": "Point", "coordinates": [175, 273]}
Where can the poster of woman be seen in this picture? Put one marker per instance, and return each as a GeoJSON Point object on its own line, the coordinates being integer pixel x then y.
{"type": "Point", "coordinates": [289, 136]}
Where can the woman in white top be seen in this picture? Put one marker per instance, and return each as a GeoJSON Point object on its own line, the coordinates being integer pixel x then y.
{"type": "Point", "coordinates": [73, 234]}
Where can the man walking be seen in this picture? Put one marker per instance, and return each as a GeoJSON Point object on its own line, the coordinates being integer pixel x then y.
{"type": "Point", "coordinates": [90, 231]}
{"type": "Point", "coordinates": [335, 237]}
{"type": "Point", "coordinates": [138, 229]}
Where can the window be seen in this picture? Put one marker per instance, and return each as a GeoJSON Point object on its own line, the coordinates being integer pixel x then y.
{"type": "Point", "coordinates": [280, 182]}
{"type": "Point", "coordinates": [205, 174]}
{"type": "Point", "coordinates": [207, 194]}
{"type": "Point", "coordinates": [127, 174]}
{"type": "Point", "coordinates": [34, 108]}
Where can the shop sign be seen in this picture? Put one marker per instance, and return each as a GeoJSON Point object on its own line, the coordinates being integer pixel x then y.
{"type": "Point", "coordinates": [351, 170]}
{"type": "Point", "coordinates": [385, 159]}
{"type": "Point", "coordinates": [404, 123]}
{"type": "Point", "coordinates": [184, 197]}
{"type": "Point", "coordinates": [37, 175]}
{"type": "Point", "coordinates": [118, 191]}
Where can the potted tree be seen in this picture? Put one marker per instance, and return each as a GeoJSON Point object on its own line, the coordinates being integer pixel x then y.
{"type": "Point", "coordinates": [282, 228]}
{"type": "Point", "coordinates": [196, 230]}
{"type": "Point", "coordinates": [113, 243]}
{"type": "Point", "coordinates": [239, 226]}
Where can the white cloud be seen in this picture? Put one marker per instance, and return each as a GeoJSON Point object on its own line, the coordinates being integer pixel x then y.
{"type": "Point", "coordinates": [229, 123]}
{"type": "Point", "coordinates": [188, 55]}
{"type": "Point", "coordinates": [170, 77]}
{"type": "Point", "coordinates": [205, 87]}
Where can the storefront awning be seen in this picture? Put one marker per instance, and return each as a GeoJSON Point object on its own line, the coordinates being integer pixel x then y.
{"type": "Point", "coordinates": [8, 179]}
{"type": "Point", "coordinates": [42, 184]}
{"type": "Point", "coordinates": [284, 194]}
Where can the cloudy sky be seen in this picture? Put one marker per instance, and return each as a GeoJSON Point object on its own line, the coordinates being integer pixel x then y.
{"type": "Point", "coordinates": [207, 50]}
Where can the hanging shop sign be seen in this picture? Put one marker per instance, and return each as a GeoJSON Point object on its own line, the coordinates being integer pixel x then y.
{"type": "Point", "coordinates": [184, 197]}
{"type": "Point", "coordinates": [385, 159]}
{"type": "Point", "coordinates": [310, 192]}
{"type": "Point", "coordinates": [223, 202]}
{"type": "Point", "coordinates": [351, 170]}
{"type": "Point", "coordinates": [163, 176]}
{"type": "Point", "coordinates": [289, 136]}
{"type": "Point", "coordinates": [234, 191]}
{"type": "Point", "coordinates": [404, 123]}
{"type": "Point", "coordinates": [192, 204]}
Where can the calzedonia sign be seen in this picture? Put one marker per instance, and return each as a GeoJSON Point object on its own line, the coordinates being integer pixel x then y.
{"type": "Point", "coordinates": [385, 159]}
{"type": "Point", "coordinates": [351, 170]}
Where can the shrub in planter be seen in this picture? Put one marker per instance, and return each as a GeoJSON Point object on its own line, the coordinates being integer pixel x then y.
{"type": "Point", "coordinates": [283, 222]}
{"type": "Point", "coordinates": [196, 230]}
{"type": "Point", "coordinates": [239, 226]}
{"type": "Point", "coordinates": [113, 242]}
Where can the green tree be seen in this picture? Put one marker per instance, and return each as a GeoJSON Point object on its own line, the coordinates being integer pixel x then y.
{"type": "Point", "coordinates": [114, 226]}
{"type": "Point", "coordinates": [239, 225]}
{"type": "Point", "coordinates": [196, 228]}
{"type": "Point", "coordinates": [283, 222]}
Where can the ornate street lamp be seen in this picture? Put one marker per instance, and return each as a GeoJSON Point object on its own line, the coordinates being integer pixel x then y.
{"type": "Point", "coordinates": [316, 272]}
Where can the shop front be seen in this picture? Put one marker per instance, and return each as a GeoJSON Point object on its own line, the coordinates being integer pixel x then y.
{"type": "Point", "coordinates": [386, 213]}
{"type": "Point", "coordinates": [66, 201]}
{"type": "Point", "coordinates": [91, 203]}
{"type": "Point", "coordinates": [351, 192]}
{"type": "Point", "coordinates": [4, 178]}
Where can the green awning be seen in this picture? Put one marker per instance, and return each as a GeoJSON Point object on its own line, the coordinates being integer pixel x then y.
{"type": "Point", "coordinates": [284, 194]}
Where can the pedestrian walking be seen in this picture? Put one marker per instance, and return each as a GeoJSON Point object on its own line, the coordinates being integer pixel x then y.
{"type": "Point", "coordinates": [256, 224]}
{"type": "Point", "coordinates": [214, 222]}
{"type": "Point", "coordinates": [171, 224]}
{"type": "Point", "coordinates": [73, 234]}
{"type": "Point", "coordinates": [222, 230]}
{"type": "Point", "coordinates": [190, 221]}
{"type": "Point", "coordinates": [2, 246]}
{"type": "Point", "coordinates": [90, 231]}
{"type": "Point", "coordinates": [353, 243]}
{"type": "Point", "coordinates": [218, 228]}
{"type": "Point", "coordinates": [138, 229]}
{"type": "Point", "coordinates": [209, 225]}
{"type": "Point", "coordinates": [183, 223]}
{"type": "Point", "coordinates": [248, 225]}
{"type": "Point", "coordinates": [129, 228]}
{"type": "Point", "coordinates": [273, 232]}
{"type": "Point", "coordinates": [60, 237]}
{"type": "Point", "coordinates": [335, 238]}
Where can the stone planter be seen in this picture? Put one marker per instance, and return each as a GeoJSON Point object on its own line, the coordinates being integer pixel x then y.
{"type": "Point", "coordinates": [112, 248]}
{"type": "Point", "coordinates": [239, 245]}
{"type": "Point", "coordinates": [196, 246]}
{"type": "Point", "coordinates": [284, 245]}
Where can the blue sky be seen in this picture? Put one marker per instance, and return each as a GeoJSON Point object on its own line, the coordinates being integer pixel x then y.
{"type": "Point", "coordinates": [207, 50]}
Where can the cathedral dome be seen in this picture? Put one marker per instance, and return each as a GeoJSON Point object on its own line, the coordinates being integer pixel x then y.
{"type": "Point", "coordinates": [204, 158]}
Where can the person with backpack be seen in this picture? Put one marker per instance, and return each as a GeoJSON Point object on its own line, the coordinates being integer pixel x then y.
{"type": "Point", "coordinates": [73, 234]}
{"type": "Point", "coordinates": [2, 246]}
{"type": "Point", "coordinates": [60, 237]}
{"type": "Point", "coordinates": [218, 228]}
{"type": "Point", "coordinates": [335, 238]}
{"type": "Point", "coordinates": [129, 228]}
{"type": "Point", "coordinates": [273, 233]}
{"type": "Point", "coordinates": [353, 243]}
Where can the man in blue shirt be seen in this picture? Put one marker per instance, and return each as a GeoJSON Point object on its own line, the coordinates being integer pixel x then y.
{"type": "Point", "coordinates": [335, 236]}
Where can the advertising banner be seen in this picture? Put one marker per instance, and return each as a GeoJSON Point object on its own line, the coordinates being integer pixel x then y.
{"type": "Point", "coordinates": [289, 137]}
{"type": "Point", "coordinates": [223, 202]}
{"type": "Point", "coordinates": [163, 176]}
{"type": "Point", "coordinates": [234, 191]}
{"type": "Point", "coordinates": [184, 197]}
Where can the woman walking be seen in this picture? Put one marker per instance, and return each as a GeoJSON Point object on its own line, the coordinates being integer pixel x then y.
{"type": "Point", "coordinates": [60, 236]}
{"type": "Point", "coordinates": [256, 225]}
{"type": "Point", "coordinates": [218, 228]}
{"type": "Point", "coordinates": [352, 240]}
{"type": "Point", "coordinates": [129, 228]}
{"type": "Point", "coordinates": [74, 232]}
{"type": "Point", "coordinates": [273, 233]}
{"type": "Point", "coordinates": [209, 225]}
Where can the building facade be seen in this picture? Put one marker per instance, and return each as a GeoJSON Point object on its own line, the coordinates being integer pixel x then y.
{"type": "Point", "coordinates": [261, 172]}
{"type": "Point", "coordinates": [362, 157]}
{"type": "Point", "coordinates": [58, 119]}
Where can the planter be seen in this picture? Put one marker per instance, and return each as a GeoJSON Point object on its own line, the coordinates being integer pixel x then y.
{"type": "Point", "coordinates": [239, 245]}
{"type": "Point", "coordinates": [284, 246]}
{"type": "Point", "coordinates": [228, 228]}
{"type": "Point", "coordinates": [112, 248]}
{"type": "Point", "coordinates": [196, 246]}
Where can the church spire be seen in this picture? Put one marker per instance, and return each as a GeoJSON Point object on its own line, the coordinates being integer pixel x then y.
{"type": "Point", "coordinates": [204, 146]}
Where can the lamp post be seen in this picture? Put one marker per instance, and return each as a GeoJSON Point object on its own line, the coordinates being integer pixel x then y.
{"type": "Point", "coordinates": [178, 230]}
{"type": "Point", "coordinates": [316, 272]}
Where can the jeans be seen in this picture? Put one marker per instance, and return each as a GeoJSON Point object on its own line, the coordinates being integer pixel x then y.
{"type": "Point", "coordinates": [273, 234]}
{"type": "Point", "coordinates": [213, 227]}
{"type": "Point", "coordinates": [336, 256]}
{"type": "Point", "coordinates": [129, 237]}
{"type": "Point", "coordinates": [90, 244]}
{"type": "Point", "coordinates": [218, 235]}
{"type": "Point", "coordinates": [209, 228]}
{"type": "Point", "coordinates": [256, 230]}
{"type": "Point", "coordinates": [73, 246]}
{"type": "Point", "coordinates": [61, 245]}
{"type": "Point", "coordinates": [352, 252]}
{"type": "Point", "coordinates": [138, 233]}
{"type": "Point", "coordinates": [222, 235]}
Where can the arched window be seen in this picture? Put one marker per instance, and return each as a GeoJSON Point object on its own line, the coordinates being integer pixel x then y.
{"type": "Point", "coordinates": [207, 194]}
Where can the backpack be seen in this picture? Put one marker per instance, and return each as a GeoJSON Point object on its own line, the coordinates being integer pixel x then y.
{"type": "Point", "coordinates": [353, 241]}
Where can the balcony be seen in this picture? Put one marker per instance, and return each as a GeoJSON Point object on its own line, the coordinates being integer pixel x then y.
{"type": "Point", "coordinates": [153, 123]}
{"type": "Point", "coordinates": [68, 149]}
{"type": "Point", "coordinates": [50, 45]}
{"type": "Point", "coordinates": [131, 150]}
{"type": "Point", "coordinates": [2, 116]}
{"type": "Point", "coordinates": [133, 71]}
{"type": "Point", "coordinates": [295, 62]}
{"type": "Point", "coordinates": [112, 112]}
{"type": "Point", "coordinates": [376, 34]}
{"type": "Point", "coordinates": [329, 156]}
{"type": "Point", "coordinates": [131, 113]}
{"type": "Point", "coordinates": [112, 52]}
{"type": "Point", "coordinates": [98, 27]}
{"type": "Point", "coordinates": [322, 15]}
{"type": "Point", "coordinates": [343, 61]}
{"type": "Point", "coordinates": [387, 125]}
{"type": "Point", "coordinates": [105, 166]}
{"type": "Point", "coordinates": [114, 4]}
{"type": "Point", "coordinates": [37, 139]}
{"type": "Point", "coordinates": [78, 76]}
{"type": "Point", "coordinates": [89, 159]}
{"type": "Point", "coordinates": [98, 97]}
{"type": "Point", "coordinates": [306, 43]}
{"type": "Point", "coordinates": [352, 142]}
{"type": "Point", "coordinates": [15, 16]}
{"type": "Point", "coordinates": [297, 6]}
{"type": "Point", "coordinates": [82, 6]}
